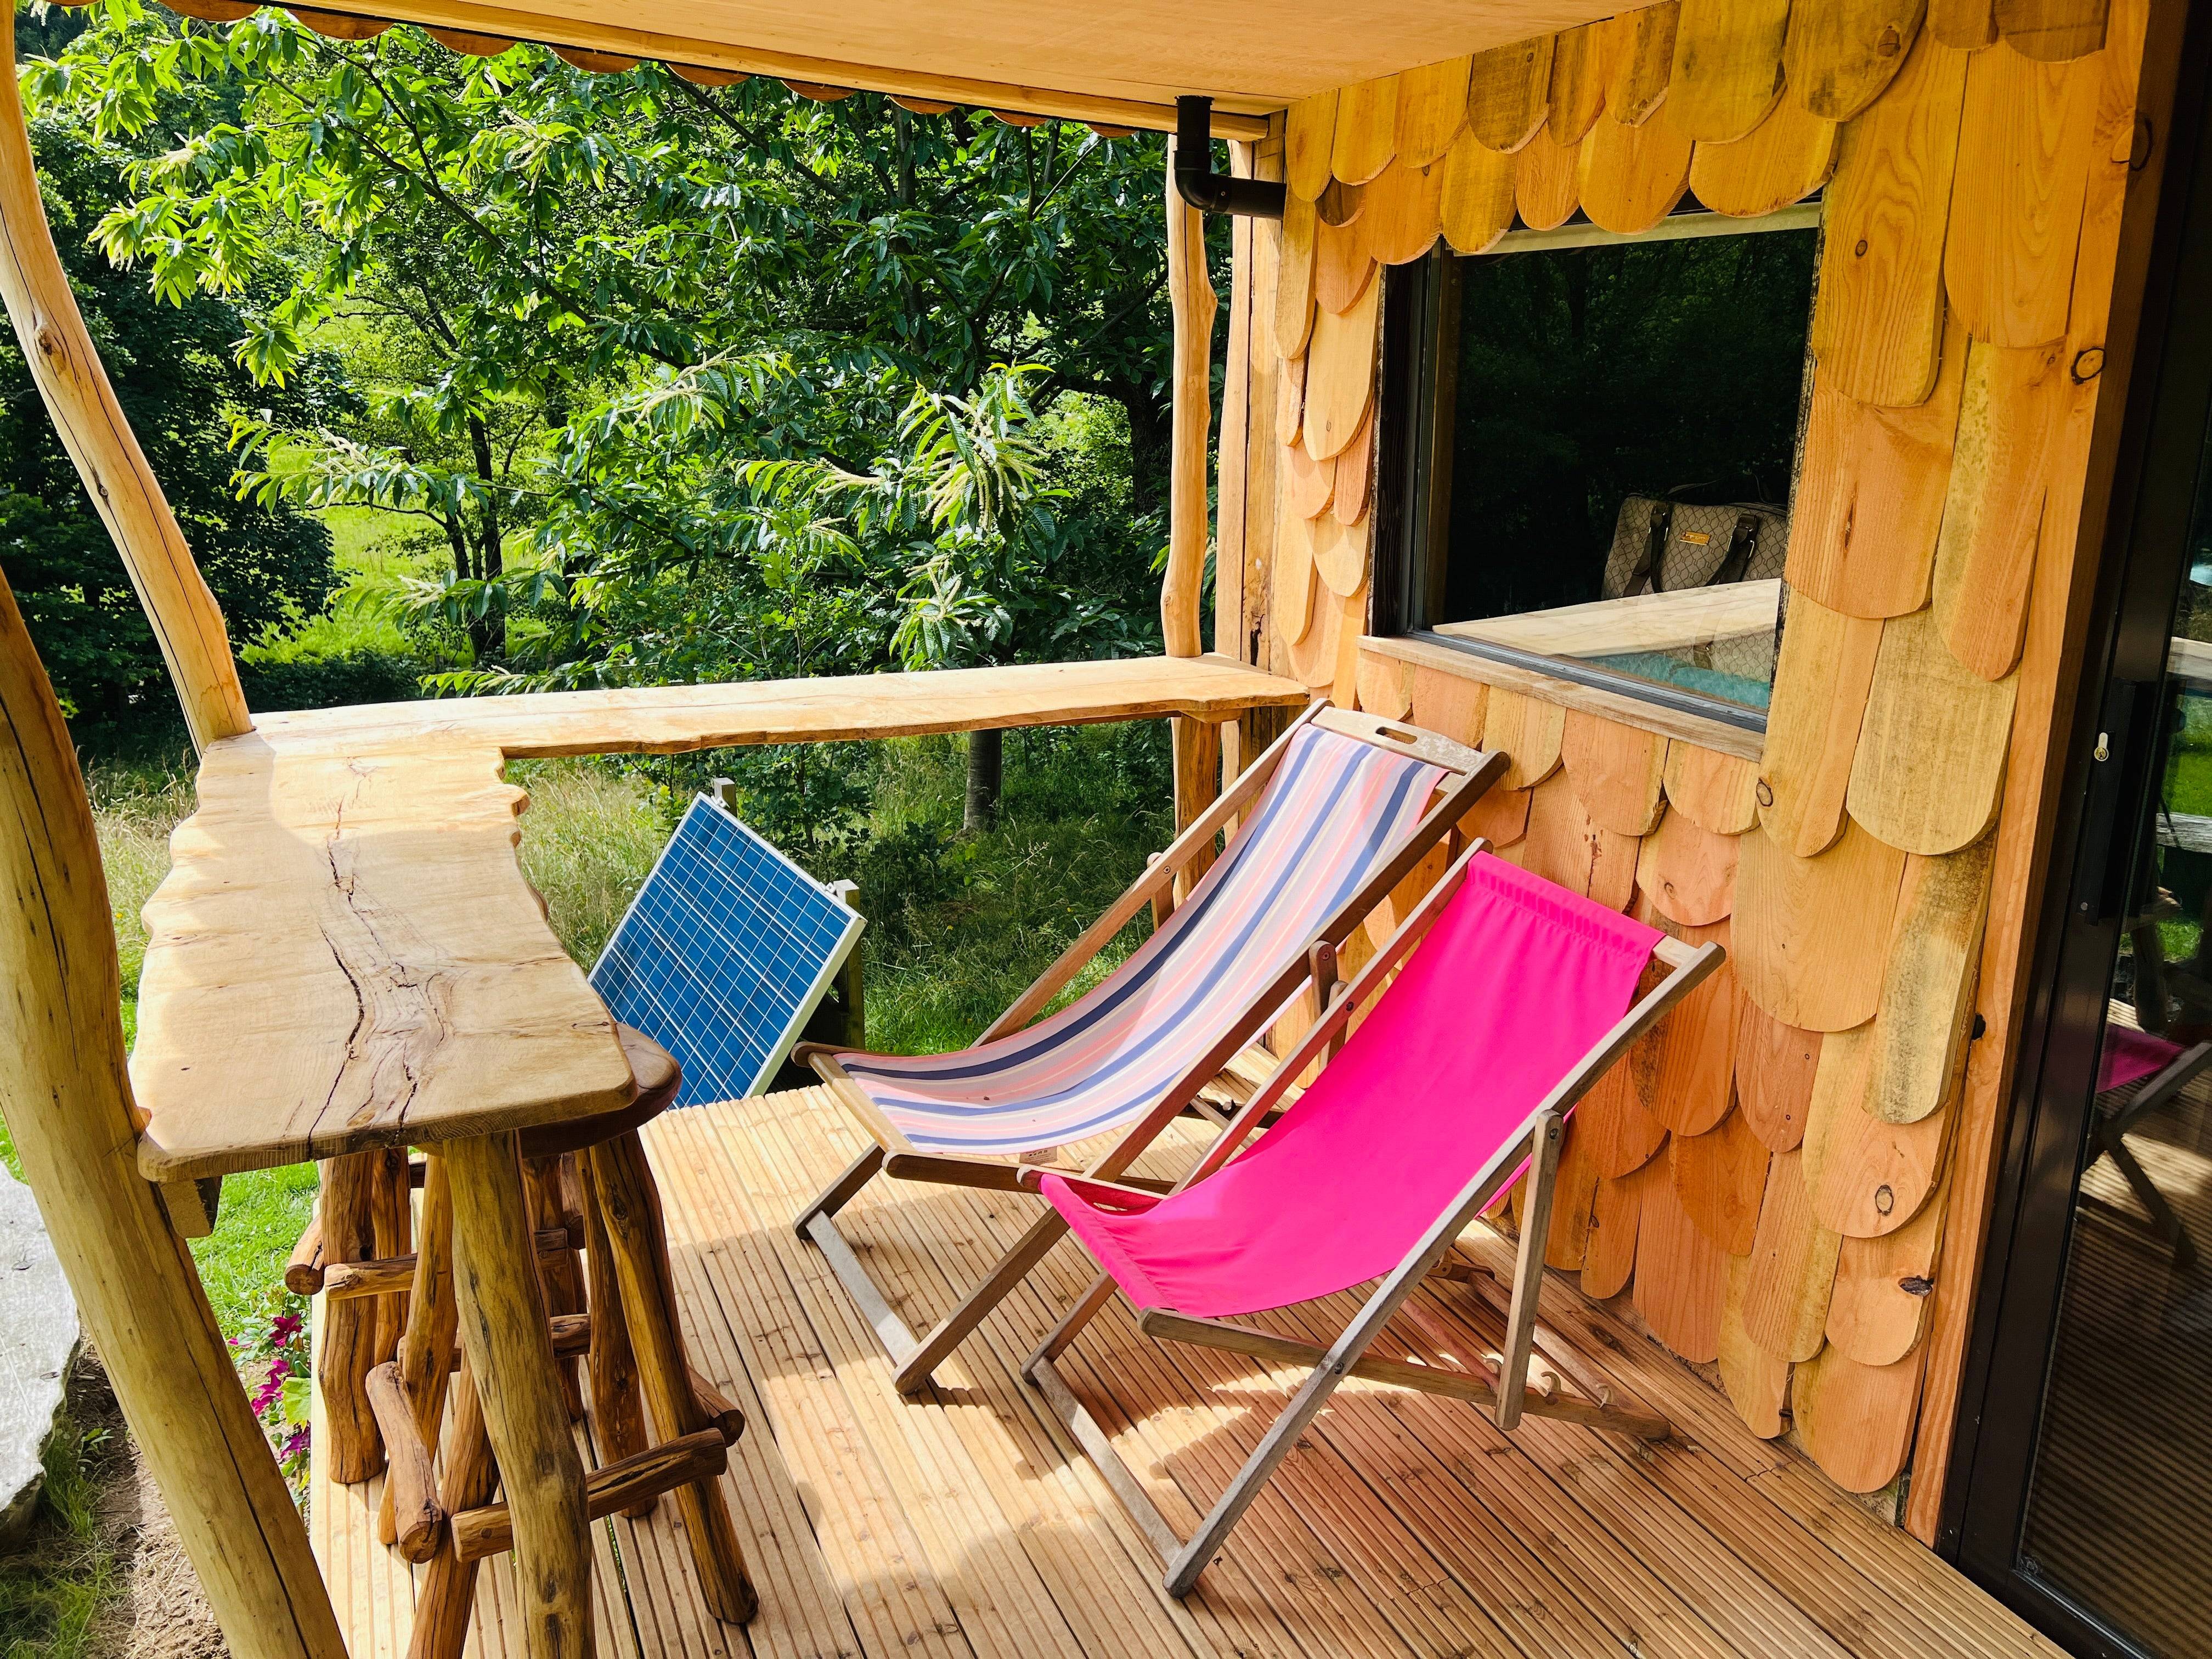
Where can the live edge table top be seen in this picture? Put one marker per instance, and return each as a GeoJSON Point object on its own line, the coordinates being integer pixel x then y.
{"type": "Point", "coordinates": [345, 954]}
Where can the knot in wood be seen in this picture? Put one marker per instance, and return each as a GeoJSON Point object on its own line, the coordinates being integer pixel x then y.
{"type": "Point", "coordinates": [1885, 1200]}
{"type": "Point", "coordinates": [1915, 1285]}
{"type": "Point", "coordinates": [1860, 251]}
{"type": "Point", "coordinates": [1764, 793]}
{"type": "Point", "coordinates": [1886, 44]}
{"type": "Point", "coordinates": [2088, 364]}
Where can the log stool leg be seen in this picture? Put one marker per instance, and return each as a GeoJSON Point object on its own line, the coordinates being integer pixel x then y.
{"type": "Point", "coordinates": [564, 1282]}
{"type": "Point", "coordinates": [510, 1350]}
{"type": "Point", "coordinates": [630, 1205]}
{"type": "Point", "coordinates": [347, 1353]}
{"type": "Point", "coordinates": [426, 1347]}
{"type": "Point", "coordinates": [617, 1411]}
{"type": "Point", "coordinates": [449, 1588]}
{"type": "Point", "coordinates": [391, 1223]}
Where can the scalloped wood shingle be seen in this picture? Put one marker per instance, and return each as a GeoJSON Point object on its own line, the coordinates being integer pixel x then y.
{"type": "Point", "coordinates": [1821, 679]}
{"type": "Point", "coordinates": [1869, 504]}
{"type": "Point", "coordinates": [1616, 771]}
{"type": "Point", "coordinates": [1811, 935]}
{"type": "Point", "coordinates": [1508, 93]}
{"type": "Point", "coordinates": [1474, 206]}
{"type": "Point", "coordinates": [1628, 179]}
{"type": "Point", "coordinates": [1878, 328]}
{"type": "Point", "coordinates": [1785, 159]}
{"type": "Point", "coordinates": [1431, 110]}
{"type": "Point", "coordinates": [1842, 54]}
{"type": "Point", "coordinates": [1931, 749]}
{"type": "Point", "coordinates": [1791, 1271]}
{"type": "Point", "coordinates": [1728, 66]}
{"type": "Point", "coordinates": [2024, 146]}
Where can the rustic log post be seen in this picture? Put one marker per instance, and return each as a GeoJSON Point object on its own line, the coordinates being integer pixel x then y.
{"type": "Point", "coordinates": [1193, 302]}
{"type": "Point", "coordinates": [426, 1347]}
{"type": "Point", "coordinates": [66, 1098]}
{"type": "Point", "coordinates": [510, 1356]}
{"type": "Point", "coordinates": [631, 1206]}
{"type": "Point", "coordinates": [124, 492]}
{"type": "Point", "coordinates": [348, 1350]}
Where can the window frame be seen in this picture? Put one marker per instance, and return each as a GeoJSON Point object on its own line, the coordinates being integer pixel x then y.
{"type": "Point", "coordinates": [1418, 382]}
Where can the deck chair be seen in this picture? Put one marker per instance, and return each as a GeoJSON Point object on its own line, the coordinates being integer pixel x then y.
{"type": "Point", "coordinates": [1520, 996]}
{"type": "Point", "coordinates": [2128, 1057]}
{"type": "Point", "coordinates": [1328, 821]}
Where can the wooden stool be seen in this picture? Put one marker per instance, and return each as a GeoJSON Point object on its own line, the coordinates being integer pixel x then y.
{"type": "Point", "coordinates": [584, 1184]}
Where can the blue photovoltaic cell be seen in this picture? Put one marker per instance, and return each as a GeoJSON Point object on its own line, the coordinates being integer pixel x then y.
{"type": "Point", "coordinates": [725, 952]}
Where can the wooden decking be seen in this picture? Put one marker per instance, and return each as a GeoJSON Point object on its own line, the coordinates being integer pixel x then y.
{"type": "Point", "coordinates": [966, 1524]}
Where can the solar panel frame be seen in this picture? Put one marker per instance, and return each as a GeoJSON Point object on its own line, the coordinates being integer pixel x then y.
{"type": "Point", "coordinates": [705, 1055]}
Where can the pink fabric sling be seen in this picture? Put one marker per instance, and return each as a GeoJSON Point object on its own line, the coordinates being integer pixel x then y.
{"type": "Point", "coordinates": [2130, 1056]}
{"type": "Point", "coordinates": [1517, 980]}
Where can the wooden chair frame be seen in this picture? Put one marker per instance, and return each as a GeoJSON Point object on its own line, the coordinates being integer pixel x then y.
{"type": "Point", "coordinates": [2176, 1075]}
{"type": "Point", "coordinates": [916, 1357]}
{"type": "Point", "coordinates": [1505, 1389]}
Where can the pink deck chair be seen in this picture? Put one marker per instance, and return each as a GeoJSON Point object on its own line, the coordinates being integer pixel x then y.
{"type": "Point", "coordinates": [1519, 997]}
{"type": "Point", "coordinates": [1328, 821]}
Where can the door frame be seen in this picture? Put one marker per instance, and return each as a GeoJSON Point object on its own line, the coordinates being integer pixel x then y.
{"type": "Point", "coordinates": [2161, 448]}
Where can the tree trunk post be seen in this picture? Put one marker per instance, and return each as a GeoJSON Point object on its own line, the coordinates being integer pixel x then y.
{"type": "Point", "coordinates": [987, 763]}
{"type": "Point", "coordinates": [66, 1097]}
{"type": "Point", "coordinates": [1193, 303]}
{"type": "Point", "coordinates": [188, 623]}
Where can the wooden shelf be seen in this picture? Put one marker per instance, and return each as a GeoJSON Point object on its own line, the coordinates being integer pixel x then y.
{"type": "Point", "coordinates": [345, 954]}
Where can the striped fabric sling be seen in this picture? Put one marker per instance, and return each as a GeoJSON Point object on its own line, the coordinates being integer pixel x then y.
{"type": "Point", "coordinates": [1334, 814]}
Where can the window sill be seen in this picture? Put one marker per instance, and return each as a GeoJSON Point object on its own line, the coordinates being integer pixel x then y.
{"type": "Point", "coordinates": [1470, 661]}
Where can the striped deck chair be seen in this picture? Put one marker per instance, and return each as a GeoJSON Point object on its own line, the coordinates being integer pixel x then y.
{"type": "Point", "coordinates": [1329, 820]}
{"type": "Point", "coordinates": [1520, 996]}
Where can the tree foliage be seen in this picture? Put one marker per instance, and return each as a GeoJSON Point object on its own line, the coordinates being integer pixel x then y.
{"type": "Point", "coordinates": [672, 371]}
{"type": "Point", "coordinates": [173, 374]}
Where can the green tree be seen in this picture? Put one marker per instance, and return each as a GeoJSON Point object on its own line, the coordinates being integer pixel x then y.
{"type": "Point", "coordinates": [175, 377]}
{"type": "Point", "coordinates": [582, 306]}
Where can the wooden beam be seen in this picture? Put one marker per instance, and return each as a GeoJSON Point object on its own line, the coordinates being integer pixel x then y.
{"type": "Point", "coordinates": [69, 1111]}
{"type": "Point", "coordinates": [187, 623]}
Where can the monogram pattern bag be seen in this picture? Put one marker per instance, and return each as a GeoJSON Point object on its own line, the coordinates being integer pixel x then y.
{"type": "Point", "coordinates": [1662, 547]}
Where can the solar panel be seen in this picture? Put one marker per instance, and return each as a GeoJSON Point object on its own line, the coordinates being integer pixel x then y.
{"type": "Point", "coordinates": [723, 953]}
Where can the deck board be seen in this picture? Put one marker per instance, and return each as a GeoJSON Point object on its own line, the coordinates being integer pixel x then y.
{"type": "Point", "coordinates": [965, 1524]}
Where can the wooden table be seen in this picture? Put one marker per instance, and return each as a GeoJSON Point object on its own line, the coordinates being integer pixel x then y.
{"type": "Point", "coordinates": [345, 956]}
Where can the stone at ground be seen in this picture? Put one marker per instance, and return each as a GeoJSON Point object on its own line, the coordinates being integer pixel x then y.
{"type": "Point", "coordinates": [38, 1339]}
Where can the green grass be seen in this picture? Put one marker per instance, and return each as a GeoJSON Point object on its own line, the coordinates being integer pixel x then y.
{"type": "Point", "coordinates": [51, 1593]}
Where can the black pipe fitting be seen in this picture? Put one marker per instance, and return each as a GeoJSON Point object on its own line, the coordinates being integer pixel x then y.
{"type": "Point", "coordinates": [1199, 185]}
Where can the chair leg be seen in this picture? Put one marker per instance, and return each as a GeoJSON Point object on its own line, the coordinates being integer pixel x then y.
{"type": "Point", "coordinates": [839, 1193]}
{"type": "Point", "coordinates": [630, 1206]}
{"type": "Point", "coordinates": [914, 1371]}
{"type": "Point", "coordinates": [449, 1588]}
{"type": "Point", "coordinates": [617, 1409]}
{"type": "Point", "coordinates": [509, 1346]}
{"type": "Point", "coordinates": [426, 1346]}
{"type": "Point", "coordinates": [2164, 1222]}
{"type": "Point", "coordinates": [1088, 1306]}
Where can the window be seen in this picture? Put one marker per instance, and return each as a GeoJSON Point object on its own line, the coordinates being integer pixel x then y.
{"type": "Point", "coordinates": [1603, 437]}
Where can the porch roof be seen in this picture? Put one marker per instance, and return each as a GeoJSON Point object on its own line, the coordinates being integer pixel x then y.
{"type": "Point", "coordinates": [1124, 63]}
